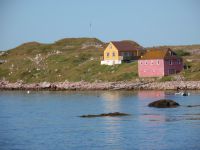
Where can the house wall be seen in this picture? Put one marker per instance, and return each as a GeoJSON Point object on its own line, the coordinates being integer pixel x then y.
{"type": "Point", "coordinates": [129, 55]}
{"type": "Point", "coordinates": [165, 67]}
{"type": "Point", "coordinates": [151, 68]}
{"type": "Point", "coordinates": [109, 51]}
{"type": "Point", "coordinates": [173, 66]}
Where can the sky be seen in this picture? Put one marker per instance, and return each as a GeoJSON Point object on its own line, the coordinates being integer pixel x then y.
{"type": "Point", "coordinates": [148, 22]}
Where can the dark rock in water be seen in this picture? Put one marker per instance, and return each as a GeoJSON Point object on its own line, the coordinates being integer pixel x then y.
{"type": "Point", "coordinates": [114, 114]}
{"type": "Point", "coordinates": [164, 103]}
{"type": "Point", "coordinates": [193, 105]}
{"type": "Point", "coordinates": [185, 94]}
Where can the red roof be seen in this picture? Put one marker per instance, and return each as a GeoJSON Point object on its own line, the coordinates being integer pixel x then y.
{"type": "Point", "coordinates": [126, 45]}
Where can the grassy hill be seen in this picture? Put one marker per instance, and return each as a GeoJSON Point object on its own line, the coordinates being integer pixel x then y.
{"type": "Point", "coordinates": [76, 59]}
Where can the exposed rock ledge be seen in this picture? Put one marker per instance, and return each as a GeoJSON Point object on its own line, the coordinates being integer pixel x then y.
{"type": "Point", "coordinates": [170, 85]}
{"type": "Point", "coordinates": [114, 114]}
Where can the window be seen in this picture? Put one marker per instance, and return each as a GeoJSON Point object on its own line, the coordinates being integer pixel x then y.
{"type": "Point", "coordinates": [178, 61]}
{"type": "Point", "coordinates": [170, 62]}
{"type": "Point", "coordinates": [110, 46]}
{"type": "Point", "coordinates": [146, 62]}
{"type": "Point", "coordinates": [152, 62]}
{"type": "Point", "coordinates": [108, 54]}
{"type": "Point", "coordinates": [141, 62]}
{"type": "Point", "coordinates": [171, 53]}
{"type": "Point", "coordinates": [113, 54]}
{"type": "Point", "coordinates": [158, 62]}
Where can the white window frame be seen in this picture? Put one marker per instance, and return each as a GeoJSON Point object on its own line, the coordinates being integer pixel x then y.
{"type": "Point", "coordinates": [170, 62]}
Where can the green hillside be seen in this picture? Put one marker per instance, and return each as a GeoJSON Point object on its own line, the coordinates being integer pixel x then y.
{"type": "Point", "coordinates": [76, 59]}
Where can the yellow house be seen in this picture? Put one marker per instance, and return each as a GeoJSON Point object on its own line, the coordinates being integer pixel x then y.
{"type": "Point", "coordinates": [118, 51]}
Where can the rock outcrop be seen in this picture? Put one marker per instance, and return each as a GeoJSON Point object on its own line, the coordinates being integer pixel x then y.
{"type": "Point", "coordinates": [164, 103]}
{"type": "Point", "coordinates": [114, 114]}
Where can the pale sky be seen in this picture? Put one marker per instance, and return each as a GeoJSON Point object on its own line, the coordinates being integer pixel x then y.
{"type": "Point", "coordinates": [148, 22]}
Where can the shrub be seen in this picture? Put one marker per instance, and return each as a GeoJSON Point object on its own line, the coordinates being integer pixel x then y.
{"type": "Point", "coordinates": [182, 53]}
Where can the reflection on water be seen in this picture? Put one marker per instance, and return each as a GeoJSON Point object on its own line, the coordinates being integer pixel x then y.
{"type": "Point", "coordinates": [113, 130]}
{"type": "Point", "coordinates": [111, 101]}
{"type": "Point", "coordinates": [153, 117]}
{"type": "Point", "coordinates": [48, 120]}
{"type": "Point", "coordinates": [151, 94]}
{"type": "Point", "coordinates": [111, 95]}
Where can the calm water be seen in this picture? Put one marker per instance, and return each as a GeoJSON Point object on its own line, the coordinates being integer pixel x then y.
{"type": "Point", "coordinates": [49, 120]}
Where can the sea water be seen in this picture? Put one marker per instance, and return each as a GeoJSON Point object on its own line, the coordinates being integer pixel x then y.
{"type": "Point", "coordinates": [50, 121]}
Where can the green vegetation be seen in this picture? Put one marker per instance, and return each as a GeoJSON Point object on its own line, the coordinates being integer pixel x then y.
{"type": "Point", "coordinates": [76, 59]}
{"type": "Point", "coordinates": [192, 71]}
{"type": "Point", "coordinates": [182, 53]}
{"type": "Point", "coordinates": [191, 58]}
{"type": "Point", "coordinates": [166, 78]}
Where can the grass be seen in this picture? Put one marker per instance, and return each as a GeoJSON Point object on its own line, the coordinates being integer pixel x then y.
{"type": "Point", "coordinates": [166, 78]}
{"type": "Point", "coordinates": [182, 53]}
{"type": "Point", "coordinates": [67, 59]}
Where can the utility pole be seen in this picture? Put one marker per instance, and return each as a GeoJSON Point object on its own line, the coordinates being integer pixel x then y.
{"type": "Point", "coordinates": [90, 28]}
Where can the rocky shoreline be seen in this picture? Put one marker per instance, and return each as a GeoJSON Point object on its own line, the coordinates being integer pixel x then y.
{"type": "Point", "coordinates": [123, 85]}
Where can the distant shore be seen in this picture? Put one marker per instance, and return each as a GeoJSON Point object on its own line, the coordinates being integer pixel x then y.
{"type": "Point", "coordinates": [122, 85]}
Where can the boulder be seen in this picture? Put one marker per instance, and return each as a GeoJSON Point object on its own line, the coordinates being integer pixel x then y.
{"type": "Point", "coordinates": [164, 103]}
{"type": "Point", "coordinates": [114, 114]}
{"type": "Point", "coordinates": [45, 85]}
